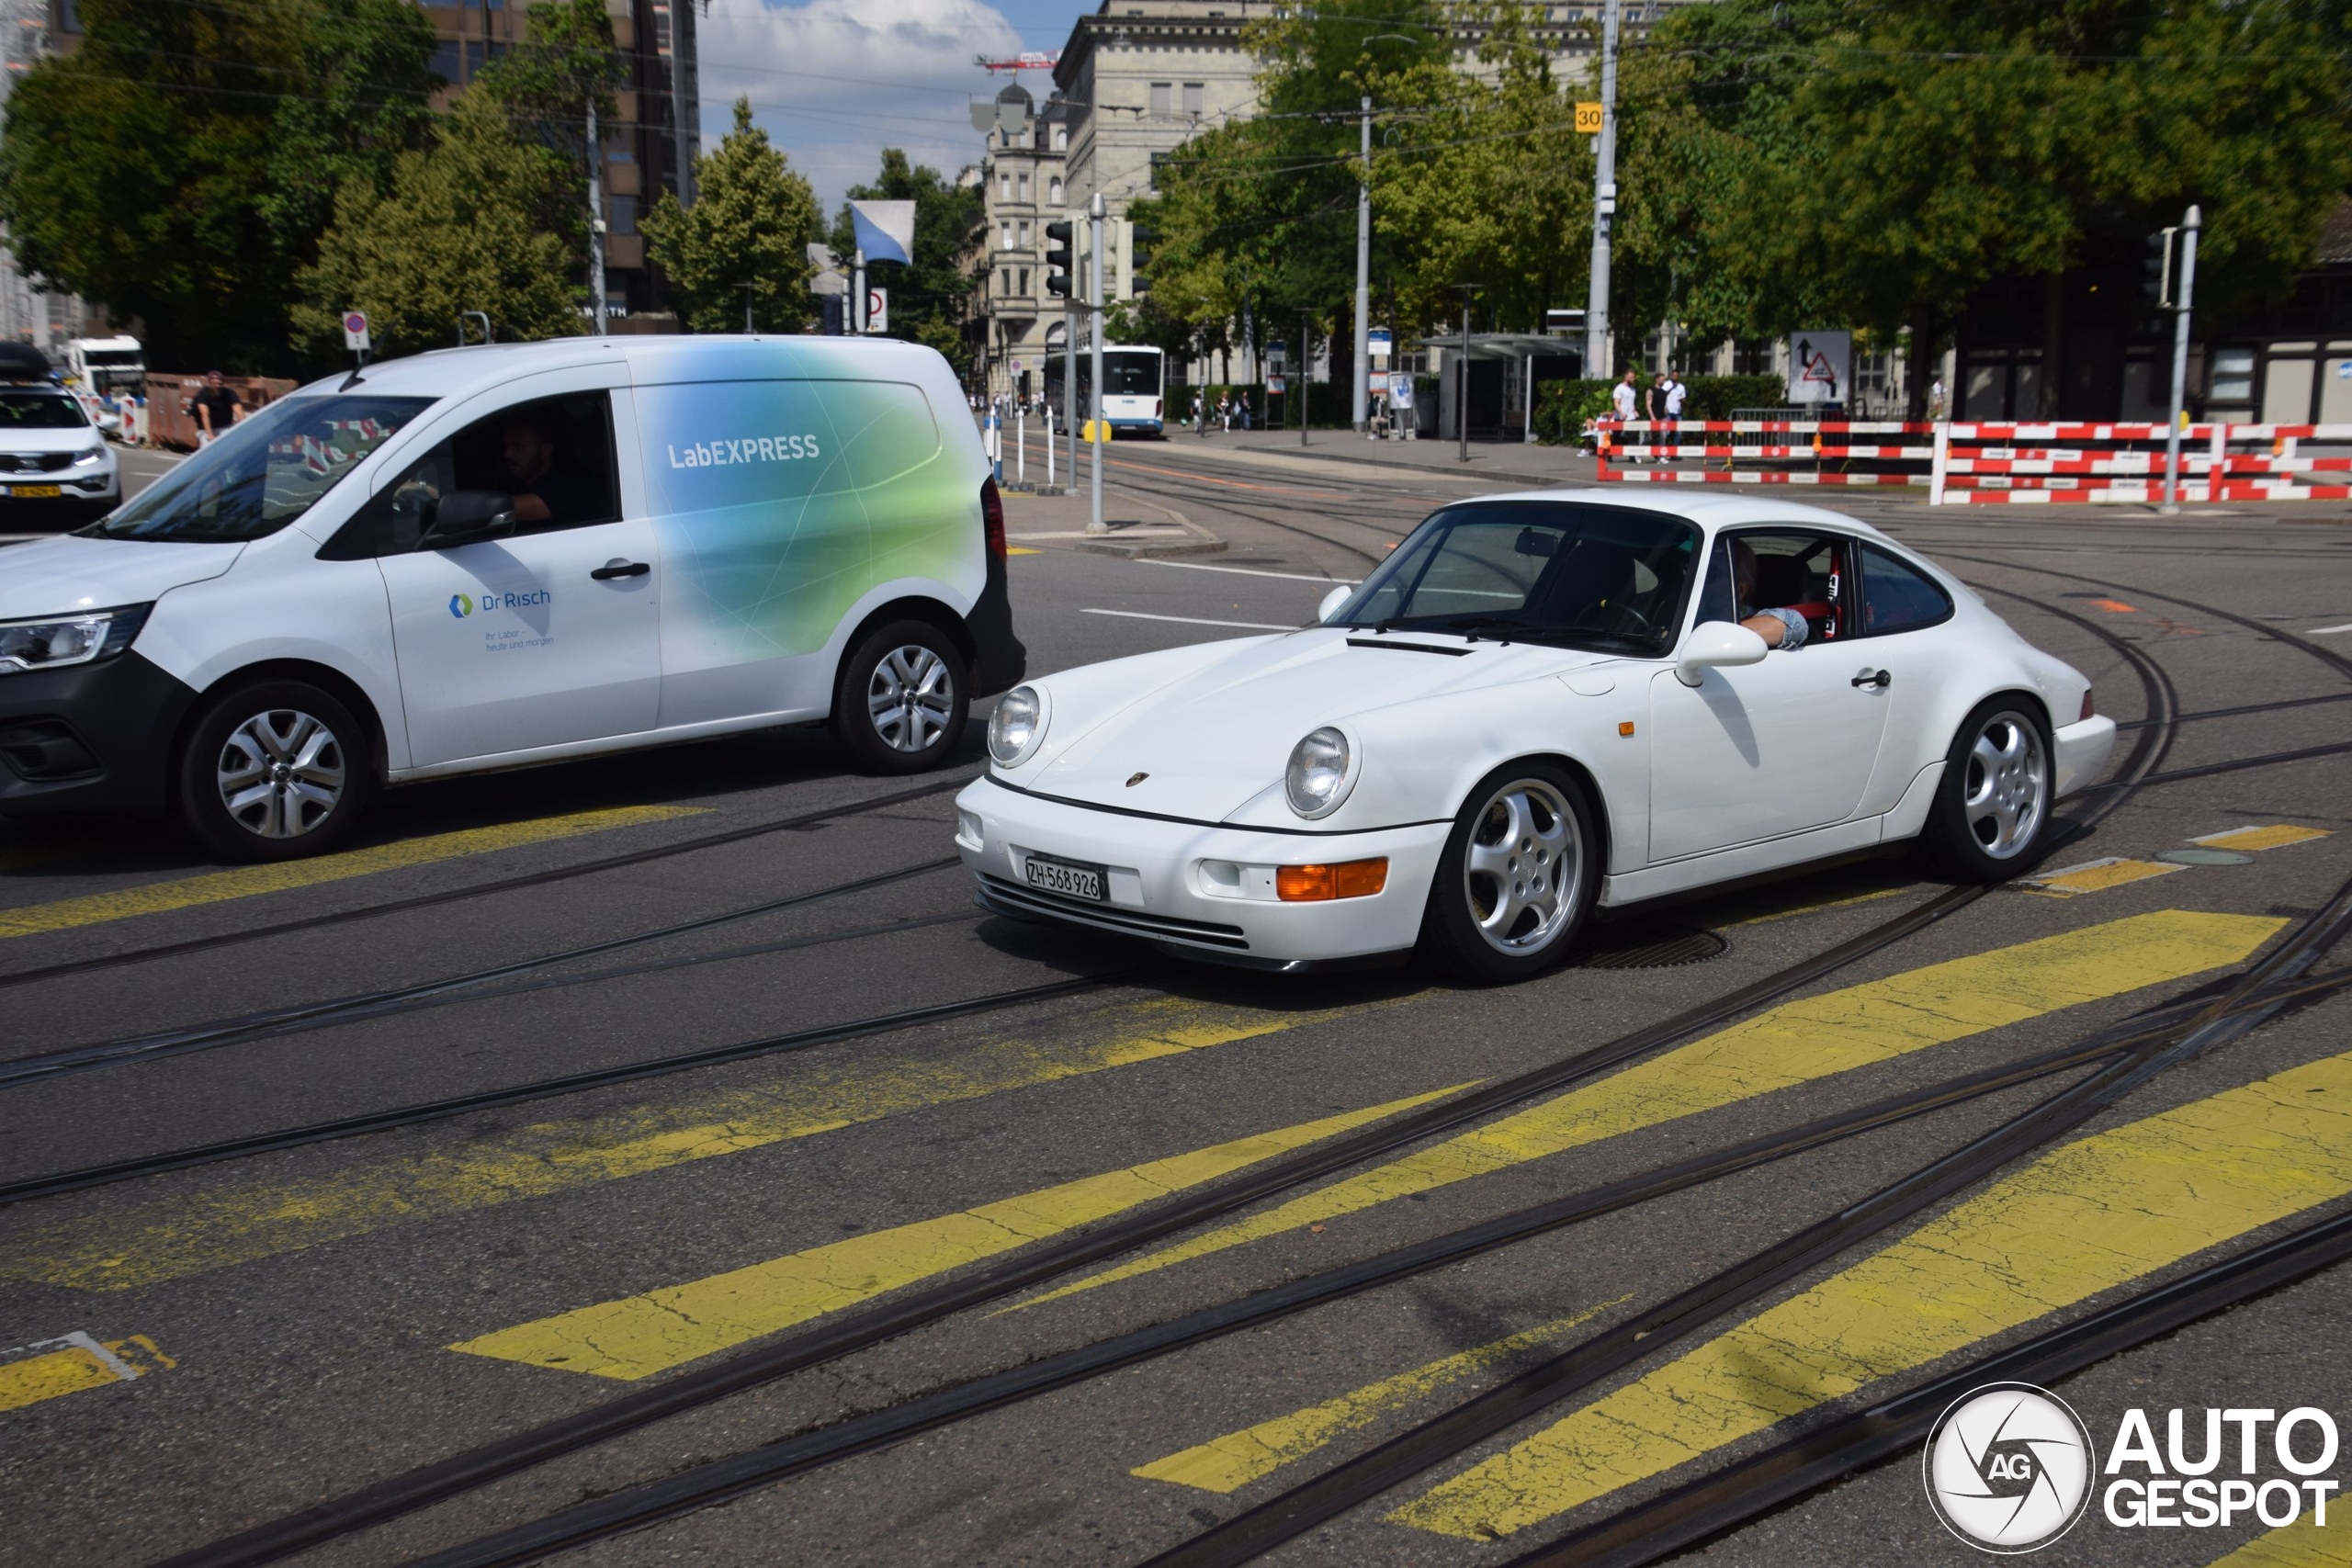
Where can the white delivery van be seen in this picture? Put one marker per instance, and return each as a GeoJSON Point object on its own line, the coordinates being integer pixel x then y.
{"type": "Point", "coordinates": [507, 554]}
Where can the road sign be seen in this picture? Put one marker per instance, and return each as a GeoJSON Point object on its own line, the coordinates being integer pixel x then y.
{"type": "Point", "coordinates": [1820, 367]}
{"type": "Point", "coordinates": [1379, 340]}
{"type": "Point", "coordinates": [1019, 368]}
{"type": "Point", "coordinates": [1275, 356]}
{"type": "Point", "coordinates": [1274, 382]}
{"type": "Point", "coordinates": [355, 331]}
{"type": "Point", "coordinates": [1589, 120]}
{"type": "Point", "coordinates": [877, 309]}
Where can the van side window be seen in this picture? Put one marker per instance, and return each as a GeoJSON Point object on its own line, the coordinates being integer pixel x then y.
{"type": "Point", "coordinates": [553, 457]}
{"type": "Point", "coordinates": [1897, 596]}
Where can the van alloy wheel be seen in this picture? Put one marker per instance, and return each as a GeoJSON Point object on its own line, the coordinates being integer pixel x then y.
{"type": "Point", "coordinates": [280, 774]}
{"type": "Point", "coordinates": [911, 698]}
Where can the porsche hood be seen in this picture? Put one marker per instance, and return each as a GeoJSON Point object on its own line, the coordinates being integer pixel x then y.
{"type": "Point", "coordinates": [1211, 741]}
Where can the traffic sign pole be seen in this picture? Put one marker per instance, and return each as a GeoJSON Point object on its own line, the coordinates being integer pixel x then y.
{"type": "Point", "coordinates": [1604, 204]}
{"type": "Point", "coordinates": [1364, 276]}
{"type": "Point", "coordinates": [2188, 227]}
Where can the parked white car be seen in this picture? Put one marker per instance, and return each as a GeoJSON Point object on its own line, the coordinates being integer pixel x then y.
{"type": "Point", "coordinates": [1540, 702]}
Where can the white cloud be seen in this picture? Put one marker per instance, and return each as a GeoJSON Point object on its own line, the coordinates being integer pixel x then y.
{"type": "Point", "coordinates": [833, 81]}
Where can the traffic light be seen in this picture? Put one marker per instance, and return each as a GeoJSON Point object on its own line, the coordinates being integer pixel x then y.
{"type": "Point", "coordinates": [2155, 269]}
{"type": "Point", "coordinates": [1060, 265]}
{"type": "Point", "coordinates": [1139, 241]}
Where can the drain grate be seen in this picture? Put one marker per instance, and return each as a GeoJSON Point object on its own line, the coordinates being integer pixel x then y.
{"type": "Point", "coordinates": [1647, 944]}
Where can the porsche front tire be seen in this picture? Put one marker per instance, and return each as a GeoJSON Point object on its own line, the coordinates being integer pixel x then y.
{"type": "Point", "coordinates": [1517, 876]}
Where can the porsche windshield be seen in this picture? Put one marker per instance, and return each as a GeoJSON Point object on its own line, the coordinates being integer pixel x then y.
{"type": "Point", "coordinates": [1603, 576]}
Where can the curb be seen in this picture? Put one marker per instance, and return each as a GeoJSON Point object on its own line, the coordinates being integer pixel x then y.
{"type": "Point", "coordinates": [1312, 454]}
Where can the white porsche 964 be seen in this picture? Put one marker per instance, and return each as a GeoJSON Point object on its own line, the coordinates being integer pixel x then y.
{"type": "Point", "coordinates": [1540, 702]}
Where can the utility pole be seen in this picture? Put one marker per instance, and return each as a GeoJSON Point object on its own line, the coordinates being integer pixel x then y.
{"type": "Point", "coordinates": [1094, 313]}
{"type": "Point", "coordinates": [1306, 357]}
{"type": "Point", "coordinates": [857, 293]}
{"type": "Point", "coordinates": [595, 222]}
{"type": "Point", "coordinates": [1462, 388]}
{"type": "Point", "coordinates": [747, 306]}
{"type": "Point", "coordinates": [1604, 204]}
{"type": "Point", "coordinates": [1070, 389]}
{"type": "Point", "coordinates": [2189, 225]}
{"type": "Point", "coordinates": [1363, 277]}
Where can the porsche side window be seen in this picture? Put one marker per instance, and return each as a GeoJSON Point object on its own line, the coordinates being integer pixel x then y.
{"type": "Point", "coordinates": [1897, 596]}
{"type": "Point", "coordinates": [1810, 573]}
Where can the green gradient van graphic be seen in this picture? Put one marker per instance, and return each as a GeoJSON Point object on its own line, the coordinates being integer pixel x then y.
{"type": "Point", "coordinates": [780, 503]}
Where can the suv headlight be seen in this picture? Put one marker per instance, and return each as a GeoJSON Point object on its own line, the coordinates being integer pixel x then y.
{"type": "Point", "coordinates": [1017, 726]}
{"type": "Point", "coordinates": [1321, 770]}
{"type": "Point", "coordinates": [95, 454]}
{"type": "Point", "coordinates": [58, 640]}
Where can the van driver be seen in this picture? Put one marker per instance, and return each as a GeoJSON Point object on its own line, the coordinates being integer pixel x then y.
{"type": "Point", "coordinates": [544, 494]}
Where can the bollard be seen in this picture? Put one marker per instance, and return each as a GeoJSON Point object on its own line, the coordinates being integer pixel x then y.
{"type": "Point", "coordinates": [1020, 444]}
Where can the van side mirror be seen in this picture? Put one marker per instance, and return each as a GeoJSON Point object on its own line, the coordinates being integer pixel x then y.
{"type": "Point", "coordinates": [1716, 644]}
{"type": "Point", "coordinates": [1332, 600]}
{"type": "Point", "coordinates": [467, 517]}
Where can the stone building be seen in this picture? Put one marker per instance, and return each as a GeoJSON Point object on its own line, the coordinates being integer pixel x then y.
{"type": "Point", "coordinates": [1024, 184]}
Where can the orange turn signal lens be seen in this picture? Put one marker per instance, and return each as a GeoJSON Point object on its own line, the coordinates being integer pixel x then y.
{"type": "Point", "coordinates": [1349, 879]}
{"type": "Point", "coordinates": [2087, 709]}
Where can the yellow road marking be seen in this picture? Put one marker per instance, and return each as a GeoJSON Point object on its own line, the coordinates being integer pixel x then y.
{"type": "Point", "coordinates": [176, 1236]}
{"type": "Point", "coordinates": [1229, 1462]}
{"type": "Point", "coordinates": [642, 1335]}
{"type": "Point", "coordinates": [158, 897]}
{"type": "Point", "coordinates": [1021, 550]}
{"type": "Point", "coordinates": [2095, 1214]}
{"type": "Point", "coordinates": [50, 1369]}
{"type": "Point", "coordinates": [2276, 836]}
{"type": "Point", "coordinates": [2098, 875]}
{"type": "Point", "coordinates": [2300, 1545]}
{"type": "Point", "coordinates": [1792, 1044]}
{"type": "Point", "coordinates": [1818, 908]}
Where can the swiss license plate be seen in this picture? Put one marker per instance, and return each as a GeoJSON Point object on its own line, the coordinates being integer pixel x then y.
{"type": "Point", "coordinates": [1070, 880]}
{"type": "Point", "coordinates": [36, 492]}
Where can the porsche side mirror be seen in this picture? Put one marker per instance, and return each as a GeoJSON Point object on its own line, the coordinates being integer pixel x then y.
{"type": "Point", "coordinates": [468, 517]}
{"type": "Point", "coordinates": [1716, 644]}
{"type": "Point", "coordinates": [1332, 600]}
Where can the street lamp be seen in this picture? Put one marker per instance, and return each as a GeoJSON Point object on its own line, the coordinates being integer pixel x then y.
{"type": "Point", "coordinates": [1356, 399]}
{"type": "Point", "coordinates": [1461, 395]}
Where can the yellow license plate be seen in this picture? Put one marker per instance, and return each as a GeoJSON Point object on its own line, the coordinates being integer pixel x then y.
{"type": "Point", "coordinates": [36, 492]}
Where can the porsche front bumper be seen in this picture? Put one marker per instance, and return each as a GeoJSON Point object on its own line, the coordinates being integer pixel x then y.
{"type": "Point", "coordinates": [1164, 886]}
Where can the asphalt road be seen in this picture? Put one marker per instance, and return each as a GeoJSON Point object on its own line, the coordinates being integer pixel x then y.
{"type": "Point", "coordinates": [265, 1333]}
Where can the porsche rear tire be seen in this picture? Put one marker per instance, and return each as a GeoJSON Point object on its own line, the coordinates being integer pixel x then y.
{"type": "Point", "coordinates": [1517, 876]}
{"type": "Point", "coordinates": [1992, 808]}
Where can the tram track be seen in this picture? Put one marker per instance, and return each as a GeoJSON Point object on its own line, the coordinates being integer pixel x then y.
{"type": "Point", "coordinates": [455, 895]}
{"type": "Point", "coordinates": [852, 1331]}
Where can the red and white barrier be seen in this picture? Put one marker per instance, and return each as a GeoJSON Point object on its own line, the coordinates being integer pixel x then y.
{"type": "Point", "coordinates": [1981, 463]}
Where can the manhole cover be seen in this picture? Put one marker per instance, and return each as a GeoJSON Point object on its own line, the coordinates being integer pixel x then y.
{"type": "Point", "coordinates": [1647, 944]}
{"type": "Point", "coordinates": [2204, 857]}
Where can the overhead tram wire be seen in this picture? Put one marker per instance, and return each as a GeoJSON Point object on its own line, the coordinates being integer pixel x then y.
{"type": "Point", "coordinates": [479, 890]}
{"type": "Point", "coordinates": [852, 1331]}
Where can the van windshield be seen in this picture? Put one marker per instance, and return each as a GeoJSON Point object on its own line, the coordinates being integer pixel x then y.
{"type": "Point", "coordinates": [266, 471]}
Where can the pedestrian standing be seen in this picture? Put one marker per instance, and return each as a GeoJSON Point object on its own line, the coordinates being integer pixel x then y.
{"type": "Point", "coordinates": [1938, 400]}
{"type": "Point", "coordinates": [1225, 412]}
{"type": "Point", "coordinates": [1625, 398]}
{"type": "Point", "coordinates": [1200, 415]}
{"type": "Point", "coordinates": [216, 408]}
{"type": "Point", "coordinates": [1675, 394]}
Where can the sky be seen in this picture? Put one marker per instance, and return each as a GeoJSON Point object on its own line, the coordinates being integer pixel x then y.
{"type": "Point", "coordinates": [833, 81]}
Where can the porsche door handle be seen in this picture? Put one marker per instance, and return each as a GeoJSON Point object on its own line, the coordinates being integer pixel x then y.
{"type": "Point", "coordinates": [613, 569]}
{"type": "Point", "coordinates": [1882, 679]}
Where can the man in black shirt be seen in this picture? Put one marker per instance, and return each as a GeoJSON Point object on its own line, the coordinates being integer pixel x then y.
{"type": "Point", "coordinates": [546, 496]}
{"type": "Point", "coordinates": [216, 409]}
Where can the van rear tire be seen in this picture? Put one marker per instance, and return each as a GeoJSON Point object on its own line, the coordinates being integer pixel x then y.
{"type": "Point", "coordinates": [273, 771]}
{"type": "Point", "coordinates": [903, 700]}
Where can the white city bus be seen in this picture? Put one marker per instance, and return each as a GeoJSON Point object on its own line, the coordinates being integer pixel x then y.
{"type": "Point", "coordinates": [1135, 387]}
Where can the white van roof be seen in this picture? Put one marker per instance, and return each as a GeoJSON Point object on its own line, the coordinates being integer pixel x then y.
{"type": "Point", "coordinates": [447, 372]}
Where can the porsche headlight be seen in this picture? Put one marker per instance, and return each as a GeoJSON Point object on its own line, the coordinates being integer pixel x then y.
{"type": "Point", "coordinates": [1318, 774]}
{"type": "Point", "coordinates": [58, 640]}
{"type": "Point", "coordinates": [1016, 727]}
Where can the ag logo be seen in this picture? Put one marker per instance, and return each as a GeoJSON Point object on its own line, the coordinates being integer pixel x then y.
{"type": "Point", "coordinates": [2009, 1468]}
{"type": "Point", "coordinates": [460, 606]}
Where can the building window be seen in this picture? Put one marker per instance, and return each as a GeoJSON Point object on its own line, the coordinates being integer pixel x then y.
{"type": "Point", "coordinates": [1163, 100]}
{"type": "Point", "coordinates": [1022, 187]}
{"type": "Point", "coordinates": [1003, 186]}
{"type": "Point", "coordinates": [1056, 189]}
{"type": "Point", "coordinates": [1024, 238]}
{"type": "Point", "coordinates": [1158, 159]}
{"type": "Point", "coordinates": [445, 61]}
{"type": "Point", "coordinates": [620, 214]}
{"type": "Point", "coordinates": [1195, 98]}
{"type": "Point", "coordinates": [1061, 138]}
{"type": "Point", "coordinates": [1024, 283]}
{"type": "Point", "coordinates": [1004, 235]}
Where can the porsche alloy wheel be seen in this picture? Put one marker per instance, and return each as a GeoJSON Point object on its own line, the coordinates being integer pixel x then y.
{"type": "Point", "coordinates": [1518, 875]}
{"type": "Point", "coordinates": [1991, 813]}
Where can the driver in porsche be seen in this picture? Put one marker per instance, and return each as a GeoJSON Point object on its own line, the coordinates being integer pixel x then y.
{"type": "Point", "coordinates": [1778, 627]}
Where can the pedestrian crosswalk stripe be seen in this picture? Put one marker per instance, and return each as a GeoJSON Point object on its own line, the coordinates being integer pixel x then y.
{"type": "Point", "coordinates": [2098, 875]}
{"type": "Point", "coordinates": [2095, 1214]}
{"type": "Point", "coordinates": [118, 1245]}
{"type": "Point", "coordinates": [1792, 1044]}
{"type": "Point", "coordinates": [639, 1335]}
{"type": "Point", "coordinates": [2300, 1545]}
{"type": "Point", "coordinates": [217, 886]}
{"type": "Point", "coordinates": [2275, 835]}
{"type": "Point", "coordinates": [50, 1369]}
{"type": "Point", "coordinates": [1231, 1462]}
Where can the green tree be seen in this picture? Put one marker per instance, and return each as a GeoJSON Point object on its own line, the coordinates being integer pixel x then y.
{"type": "Point", "coordinates": [752, 221]}
{"type": "Point", "coordinates": [177, 166]}
{"type": "Point", "coordinates": [457, 229]}
{"type": "Point", "coordinates": [931, 295]}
